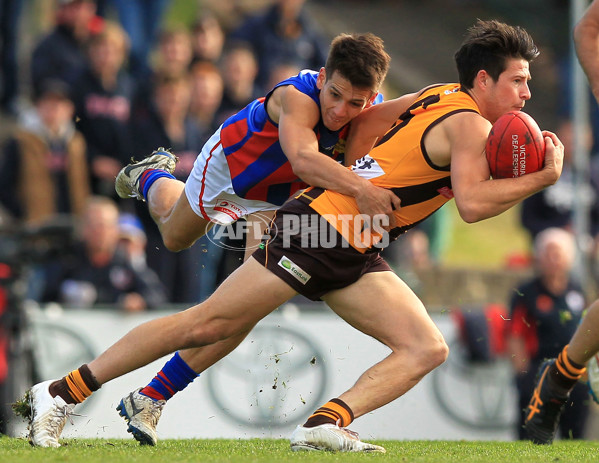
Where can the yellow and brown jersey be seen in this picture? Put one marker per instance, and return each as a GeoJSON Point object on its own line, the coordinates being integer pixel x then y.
{"type": "Point", "coordinates": [399, 162]}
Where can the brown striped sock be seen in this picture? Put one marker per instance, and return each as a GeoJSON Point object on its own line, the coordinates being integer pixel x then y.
{"type": "Point", "coordinates": [333, 412]}
{"type": "Point", "coordinates": [564, 372]}
{"type": "Point", "coordinates": [75, 387]}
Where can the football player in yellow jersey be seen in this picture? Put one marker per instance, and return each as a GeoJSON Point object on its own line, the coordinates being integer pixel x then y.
{"type": "Point", "coordinates": [334, 263]}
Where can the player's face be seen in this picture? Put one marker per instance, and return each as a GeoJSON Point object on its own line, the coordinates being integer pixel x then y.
{"type": "Point", "coordinates": [340, 102]}
{"type": "Point", "coordinates": [511, 90]}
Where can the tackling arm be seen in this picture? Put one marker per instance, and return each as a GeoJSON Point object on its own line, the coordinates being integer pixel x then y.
{"type": "Point", "coordinates": [297, 119]}
{"type": "Point", "coordinates": [373, 123]}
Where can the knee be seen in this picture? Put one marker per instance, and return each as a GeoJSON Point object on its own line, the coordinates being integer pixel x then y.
{"type": "Point", "coordinates": [174, 243]}
{"type": "Point", "coordinates": [433, 353]}
{"type": "Point", "coordinates": [440, 353]}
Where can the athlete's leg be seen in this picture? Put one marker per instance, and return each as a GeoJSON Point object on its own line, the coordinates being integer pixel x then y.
{"type": "Point", "coordinates": [152, 180]}
{"type": "Point", "coordinates": [179, 225]}
{"type": "Point", "coordinates": [143, 407]}
{"type": "Point", "coordinates": [557, 377]}
{"type": "Point", "coordinates": [196, 358]}
{"type": "Point", "coordinates": [381, 305]}
{"type": "Point", "coordinates": [585, 342]}
{"type": "Point", "coordinates": [247, 296]}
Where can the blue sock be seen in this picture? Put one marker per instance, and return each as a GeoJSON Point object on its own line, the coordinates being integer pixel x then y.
{"type": "Point", "coordinates": [175, 376]}
{"type": "Point", "coordinates": [147, 179]}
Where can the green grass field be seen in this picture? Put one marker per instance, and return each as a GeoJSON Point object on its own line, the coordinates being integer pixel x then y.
{"type": "Point", "coordinates": [269, 450]}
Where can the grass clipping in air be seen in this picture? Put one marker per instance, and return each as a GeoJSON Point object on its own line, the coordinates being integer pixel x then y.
{"type": "Point", "coordinates": [22, 407]}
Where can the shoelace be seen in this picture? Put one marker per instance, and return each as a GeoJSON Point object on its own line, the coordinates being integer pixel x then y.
{"type": "Point", "coordinates": [154, 409]}
{"type": "Point", "coordinates": [155, 415]}
{"type": "Point", "coordinates": [60, 416]}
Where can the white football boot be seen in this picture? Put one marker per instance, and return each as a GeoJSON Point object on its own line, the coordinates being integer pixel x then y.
{"type": "Point", "coordinates": [48, 416]}
{"type": "Point", "coordinates": [142, 414]}
{"type": "Point", "coordinates": [330, 437]}
{"type": "Point", "coordinates": [127, 180]}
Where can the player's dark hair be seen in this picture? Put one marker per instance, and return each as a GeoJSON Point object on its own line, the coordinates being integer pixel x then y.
{"type": "Point", "coordinates": [360, 58]}
{"type": "Point", "coordinates": [488, 45]}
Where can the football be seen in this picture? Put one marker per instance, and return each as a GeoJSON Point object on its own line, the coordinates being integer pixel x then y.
{"type": "Point", "coordinates": [515, 146]}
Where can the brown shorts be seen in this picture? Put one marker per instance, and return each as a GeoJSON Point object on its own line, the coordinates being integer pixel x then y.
{"type": "Point", "coordinates": [307, 253]}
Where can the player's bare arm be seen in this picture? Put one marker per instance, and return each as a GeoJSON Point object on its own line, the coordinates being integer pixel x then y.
{"type": "Point", "coordinates": [586, 41]}
{"type": "Point", "coordinates": [372, 123]}
{"type": "Point", "coordinates": [477, 196]}
{"type": "Point", "coordinates": [298, 115]}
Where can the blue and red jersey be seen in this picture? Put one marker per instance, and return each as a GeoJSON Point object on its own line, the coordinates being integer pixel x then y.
{"type": "Point", "coordinates": [250, 139]}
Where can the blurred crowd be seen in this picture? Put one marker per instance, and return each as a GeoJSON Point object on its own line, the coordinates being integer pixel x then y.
{"type": "Point", "coordinates": [113, 80]}
{"type": "Point", "coordinates": [109, 80]}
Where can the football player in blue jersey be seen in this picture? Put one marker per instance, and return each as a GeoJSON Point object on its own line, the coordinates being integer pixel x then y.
{"type": "Point", "coordinates": [289, 139]}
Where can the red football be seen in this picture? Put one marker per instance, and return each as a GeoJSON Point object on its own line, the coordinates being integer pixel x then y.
{"type": "Point", "coordinates": [515, 146]}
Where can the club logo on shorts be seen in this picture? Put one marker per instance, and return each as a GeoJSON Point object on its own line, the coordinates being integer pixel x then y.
{"type": "Point", "coordinates": [300, 274]}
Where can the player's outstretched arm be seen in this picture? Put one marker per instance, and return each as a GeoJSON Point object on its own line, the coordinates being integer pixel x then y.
{"type": "Point", "coordinates": [373, 123]}
{"type": "Point", "coordinates": [586, 42]}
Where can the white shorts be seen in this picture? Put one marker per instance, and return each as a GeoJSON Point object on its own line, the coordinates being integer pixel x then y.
{"type": "Point", "coordinates": [209, 188]}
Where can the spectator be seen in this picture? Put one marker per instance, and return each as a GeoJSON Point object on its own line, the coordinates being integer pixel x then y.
{"type": "Point", "coordinates": [174, 53]}
{"type": "Point", "coordinates": [172, 57]}
{"type": "Point", "coordinates": [10, 12]}
{"type": "Point", "coordinates": [239, 71]}
{"type": "Point", "coordinates": [281, 72]}
{"type": "Point", "coordinates": [99, 272]}
{"type": "Point", "coordinates": [141, 19]}
{"type": "Point", "coordinates": [44, 167]}
{"type": "Point", "coordinates": [282, 32]}
{"type": "Point", "coordinates": [61, 53]}
{"type": "Point", "coordinates": [208, 39]}
{"type": "Point", "coordinates": [169, 124]}
{"type": "Point", "coordinates": [133, 240]}
{"type": "Point", "coordinates": [545, 312]}
{"type": "Point", "coordinates": [206, 95]}
{"type": "Point", "coordinates": [103, 95]}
